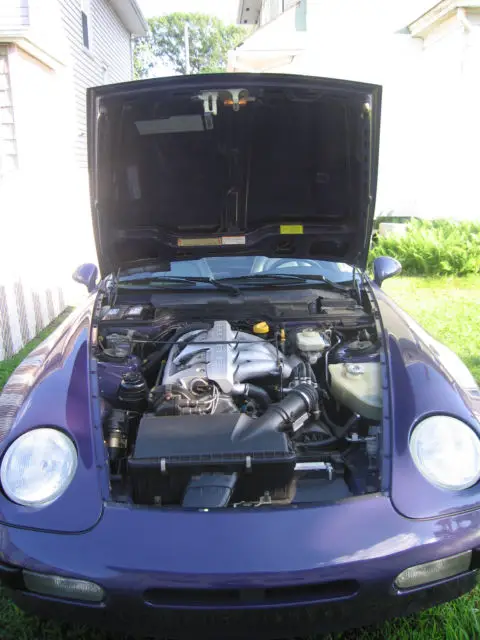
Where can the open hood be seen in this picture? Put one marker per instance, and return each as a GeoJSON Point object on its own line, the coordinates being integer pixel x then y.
{"type": "Point", "coordinates": [233, 164]}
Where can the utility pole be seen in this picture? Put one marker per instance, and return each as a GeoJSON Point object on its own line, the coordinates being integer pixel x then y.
{"type": "Point", "coordinates": [187, 51]}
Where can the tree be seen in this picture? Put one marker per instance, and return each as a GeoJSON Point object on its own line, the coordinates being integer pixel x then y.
{"type": "Point", "coordinates": [209, 42]}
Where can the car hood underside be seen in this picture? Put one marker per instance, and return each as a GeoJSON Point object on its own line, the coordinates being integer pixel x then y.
{"type": "Point", "coordinates": [233, 164]}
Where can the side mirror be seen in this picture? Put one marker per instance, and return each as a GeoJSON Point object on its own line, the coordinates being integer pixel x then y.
{"type": "Point", "coordinates": [86, 274]}
{"type": "Point", "coordinates": [385, 267]}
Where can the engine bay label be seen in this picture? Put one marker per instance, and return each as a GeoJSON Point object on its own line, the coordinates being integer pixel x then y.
{"type": "Point", "coordinates": [211, 242]}
{"type": "Point", "coordinates": [233, 240]}
{"type": "Point", "coordinates": [291, 229]}
{"type": "Point", "coordinates": [199, 242]}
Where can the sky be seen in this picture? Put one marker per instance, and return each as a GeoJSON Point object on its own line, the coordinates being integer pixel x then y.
{"type": "Point", "coordinates": [226, 10]}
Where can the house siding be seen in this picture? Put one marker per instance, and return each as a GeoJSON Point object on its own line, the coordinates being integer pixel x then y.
{"type": "Point", "coordinates": [14, 15]}
{"type": "Point", "coordinates": [44, 73]}
{"type": "Point", "coordinates": [448, 111]}
{"type": "Point", "coordinates": [31, 285]}
{"type": "Point", "coordinates": [107, 60]}
{"type": "Point", "coordinates": [8, 146]}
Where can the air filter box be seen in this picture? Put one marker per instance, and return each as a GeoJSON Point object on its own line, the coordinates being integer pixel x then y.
{"type": "Point", "coordinates": [170, 450]}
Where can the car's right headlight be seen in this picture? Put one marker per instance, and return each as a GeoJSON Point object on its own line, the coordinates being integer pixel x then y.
{"type": "Point", "coordinates": [447, 452]}
{"type": "Point", "coordinates": [38, 466]}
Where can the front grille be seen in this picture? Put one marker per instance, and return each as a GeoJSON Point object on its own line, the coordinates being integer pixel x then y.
{"type": "Point", "coordinates": [231, 598]}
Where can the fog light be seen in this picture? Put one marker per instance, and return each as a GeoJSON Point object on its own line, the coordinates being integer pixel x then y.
{"type": "Point", "coordinates": [63, 587]}
{"type": "Point", "coordinates": [433, 571]}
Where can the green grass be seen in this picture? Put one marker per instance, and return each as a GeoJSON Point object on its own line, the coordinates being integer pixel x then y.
{"type": "Point", "coordinates": [449, 309]}
{"type": "Point", "coordinates": [7, 366]}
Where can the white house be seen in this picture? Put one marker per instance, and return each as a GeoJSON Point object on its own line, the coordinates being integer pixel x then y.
{"type": "Point", "coordinates": [50, 52]}
{"type": "Point", "coordinates": [428, 60]}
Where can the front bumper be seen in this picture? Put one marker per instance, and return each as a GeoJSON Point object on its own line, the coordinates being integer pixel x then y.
{"type": "Point", "coordinates": [271, 573]}
{"type": "Point", "coordinates": [127, 615]}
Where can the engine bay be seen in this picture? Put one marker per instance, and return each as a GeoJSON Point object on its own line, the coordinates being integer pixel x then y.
{"type": "Point", "coordinates": [218, 412]}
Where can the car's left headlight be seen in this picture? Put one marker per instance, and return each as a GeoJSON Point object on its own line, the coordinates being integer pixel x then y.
{"type": "Point", "coordinates": [38, 466]}
{"type": "Point", "coordinates": [447, 452]}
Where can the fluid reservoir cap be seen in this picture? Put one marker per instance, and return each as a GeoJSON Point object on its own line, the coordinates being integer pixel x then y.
{"type": "Point", "coordinates": [354, 369]}
{"type": "Point", "coordinates": [261, 328]}
{"type": "Point", "coordinates": [360, 345]}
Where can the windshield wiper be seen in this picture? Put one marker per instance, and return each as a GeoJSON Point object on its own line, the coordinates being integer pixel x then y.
{"type": "Point", "coordinates": [152, 280]}
{"type": "Point", "coordinates": [283, 278]}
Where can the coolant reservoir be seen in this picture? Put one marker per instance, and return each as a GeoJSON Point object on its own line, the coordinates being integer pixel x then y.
{"type": "Point", "coordinates": [358, 386]}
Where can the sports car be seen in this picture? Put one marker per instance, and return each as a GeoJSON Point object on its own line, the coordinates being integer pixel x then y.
{"type": "Point", "coordinates": [237, 433]}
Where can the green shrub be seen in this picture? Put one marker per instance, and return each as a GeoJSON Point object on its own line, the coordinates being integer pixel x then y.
{"type": "Point", "coordinates": [437, 247]}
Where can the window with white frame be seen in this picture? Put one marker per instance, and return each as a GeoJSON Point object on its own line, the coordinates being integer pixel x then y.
{"type": "Point", "coordinates": [85, 15]}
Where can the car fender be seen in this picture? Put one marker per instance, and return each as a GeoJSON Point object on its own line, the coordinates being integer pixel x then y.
{"type": "Point", "coordinates": [420, 385]}
{"type": "Point", "coordinates": [53, 387]}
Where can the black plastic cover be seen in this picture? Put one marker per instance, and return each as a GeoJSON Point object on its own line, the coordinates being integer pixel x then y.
{"type": "Point", "coordinates": [209, 490]}
{"type": "Point", "coordinates": [170, 450]}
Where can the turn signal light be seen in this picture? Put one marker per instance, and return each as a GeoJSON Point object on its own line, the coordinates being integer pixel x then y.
{"type": "Point", "coordinates": [60, 587]}
{"type": "Point", "coordinates": [432, 571]}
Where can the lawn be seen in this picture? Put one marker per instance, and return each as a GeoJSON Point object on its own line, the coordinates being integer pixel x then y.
{"type": "Point", "coordinates": [7, 366]}
{"type": "Point", "coordinates": [449, 309]}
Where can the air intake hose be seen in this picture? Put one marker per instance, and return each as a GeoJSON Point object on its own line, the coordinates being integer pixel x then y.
{"type": "Point", "coordinates": [258, 394]}
{"type": "Point", "coordinates": [299, 401]}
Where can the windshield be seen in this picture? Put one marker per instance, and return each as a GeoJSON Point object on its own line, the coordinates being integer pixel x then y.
{"type": "Point", "coordinates": [241, 266]}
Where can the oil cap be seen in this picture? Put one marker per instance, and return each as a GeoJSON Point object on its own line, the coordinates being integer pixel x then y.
{"type": "Point", "coordinates": [261, 328]}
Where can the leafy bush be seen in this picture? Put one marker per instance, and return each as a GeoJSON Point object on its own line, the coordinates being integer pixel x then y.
{"type": "Point", "coordinates": [437, 247]}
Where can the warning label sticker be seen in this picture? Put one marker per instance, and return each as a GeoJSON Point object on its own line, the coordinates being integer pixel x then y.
{"type": "Point", "coordinates": [291, 229]}
{"type": "Point", "coordinates": [233, 240]}
{"type": "Point", "coordinates": [199, 242]}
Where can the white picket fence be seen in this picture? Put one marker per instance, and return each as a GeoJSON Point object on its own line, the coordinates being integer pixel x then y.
{"type": "Point", "coordinates": [45, 233]}
{"type": "Point", "coordinates": [24, 312]}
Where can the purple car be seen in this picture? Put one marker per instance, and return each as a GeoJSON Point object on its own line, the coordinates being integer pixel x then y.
{"type": "Point", "coordinates": [239, 434]}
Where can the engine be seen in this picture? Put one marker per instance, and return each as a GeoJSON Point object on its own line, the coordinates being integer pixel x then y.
{"type": "Point", "coordinates": [215, 414]}
{"type": "Point", "coordinates": [207, 368]}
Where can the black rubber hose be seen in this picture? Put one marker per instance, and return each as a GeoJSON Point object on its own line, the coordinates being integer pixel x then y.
{"type": "Point", "coordinates": [331, 424]}
{"type": "Point", "coordinates": [300, 400]}
{"type": "Point", "coordinates": [295, 372]}
{"type": "Point", "coordinates": [302, 370]}
{"type": "Point", "coordinates": [338, 433]}
{"type": "Point", "coordinates": [155, 358]}
{"type": "Point", "coordinates": [326, 357]}
{"type": "Point", "coordinates": [311, 373]}
{"type": "Point", "coordinates": [312, 428]}
{"type": "Point", "coordinates": [318, 444]}
{"type": "Point", "coordinates": [341, 431]}
{"type": "Point", "coordinates": [258, 394]}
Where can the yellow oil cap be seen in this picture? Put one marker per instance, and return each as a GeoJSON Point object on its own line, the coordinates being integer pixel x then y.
{"type": "Point", "coordinates": [261, 328]}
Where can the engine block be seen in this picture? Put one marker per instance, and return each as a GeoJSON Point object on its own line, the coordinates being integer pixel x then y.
{"type": "Point", "coordinates": [223, 356]}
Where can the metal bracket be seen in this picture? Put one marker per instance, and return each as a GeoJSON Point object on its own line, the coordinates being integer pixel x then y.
{"type": "Point", "coordinates": [235, 93]}
{"type": "Point", "coordinates": [210, 102]}
{"type": "Point", "coordinates": [210, 99]}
